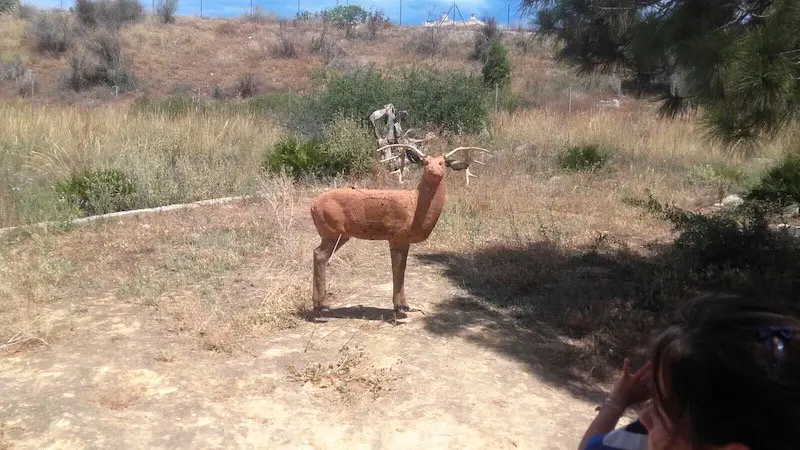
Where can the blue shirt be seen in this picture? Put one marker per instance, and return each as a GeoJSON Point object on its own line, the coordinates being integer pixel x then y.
{"type": "Point", "coordinates": [630, 437]}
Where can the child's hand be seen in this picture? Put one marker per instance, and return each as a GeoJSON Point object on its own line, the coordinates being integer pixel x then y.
{"type": "Point", "coordinates": [632, 388]}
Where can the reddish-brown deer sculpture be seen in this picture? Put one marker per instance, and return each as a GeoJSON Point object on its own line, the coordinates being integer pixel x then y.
{"type": "Point", "coordinates": [401, 217]}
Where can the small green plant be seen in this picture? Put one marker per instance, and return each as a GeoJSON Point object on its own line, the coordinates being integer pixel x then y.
{"type": "Point", "coordinates": [496, 68]}
{"type": "Point", "coordinates": [722, 178]}
{"type": "Point", "coordinates": [300, 158]}
{"type": "Point", "coordinates": [584, 158]}
{"type": "Point", "coordinates": [781, 185]}
{"type": "Point", "coordinates": [97, 191]}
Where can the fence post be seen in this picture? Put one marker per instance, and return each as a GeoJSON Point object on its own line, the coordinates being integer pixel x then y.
{"type": "Point", "coordinates": [569, 110]}
{"type": "Point", "coordinates": [495, 97]}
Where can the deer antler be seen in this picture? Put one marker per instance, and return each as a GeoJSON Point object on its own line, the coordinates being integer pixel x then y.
{"type": "Point", "coordinates": [464, 164]}
{"type": "Point", "coordinates": [408, 146]}
{"type": "Point", "coordinates": [402, 157]}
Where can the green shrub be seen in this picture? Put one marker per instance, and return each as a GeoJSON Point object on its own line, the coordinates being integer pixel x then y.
{"type": "Point", "coordinates": [781, 185]}
{"type": "Point", "coordinates": [453, 101]}
{"type": "Point", "coordinates": [722, 178]}
{"type": "Point", "coordinates": [8, 6]}
{"type": "Point", "coordinates": [496, 68]}
{"type": "Point", "coordinates": [349, 148]}
{"type": "Point", "coordinates": [346, 17]}
{"type": "Point", "coordinates": [97, 191]}
{"type": "Point", "coordinates": [300, 158]}
{"type": "Point", "coordinates": [729, 251]}
{"type": "Point", "coordinates": [584, 158]}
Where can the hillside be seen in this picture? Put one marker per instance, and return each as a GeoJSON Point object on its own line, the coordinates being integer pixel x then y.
{"type": "Point", "coordinates": [198, 55]}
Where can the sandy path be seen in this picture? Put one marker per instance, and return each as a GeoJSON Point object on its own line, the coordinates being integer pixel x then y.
{"type": "Point", "coordinates": [120, 379]}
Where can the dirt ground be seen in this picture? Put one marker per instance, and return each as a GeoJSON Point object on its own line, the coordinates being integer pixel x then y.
{"type": "Point", "coordinates": [450, 375]}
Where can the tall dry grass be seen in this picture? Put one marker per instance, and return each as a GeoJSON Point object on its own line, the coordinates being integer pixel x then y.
{"type": "Point", "coordinates": [171, 160]}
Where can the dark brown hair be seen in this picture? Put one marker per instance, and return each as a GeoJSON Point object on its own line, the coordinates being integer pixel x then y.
{"type": "Point", "coordinates": [720, 379]}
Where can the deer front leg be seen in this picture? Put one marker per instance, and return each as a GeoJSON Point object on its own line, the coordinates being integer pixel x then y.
{"type": "Point", "coordinates": [399, 254]}
{"type": "Point", "coordinates": [322, 254]}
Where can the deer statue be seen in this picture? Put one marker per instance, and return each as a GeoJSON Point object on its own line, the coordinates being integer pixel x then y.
{"type": "Point", "coordinates": [401, 217]}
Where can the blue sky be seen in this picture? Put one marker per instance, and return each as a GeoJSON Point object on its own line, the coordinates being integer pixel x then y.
{"type": "Point", "coordinates": [414, 11]}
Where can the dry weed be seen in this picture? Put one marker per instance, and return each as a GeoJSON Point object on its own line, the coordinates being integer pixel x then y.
{"type": "Point", "coordinates": [119, 395]}
{"type": "Point", "coordinates": [350, 375]}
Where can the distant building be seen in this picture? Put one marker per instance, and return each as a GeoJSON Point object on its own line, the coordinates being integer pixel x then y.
{"type": "Point", "coordinates": [444, 20]}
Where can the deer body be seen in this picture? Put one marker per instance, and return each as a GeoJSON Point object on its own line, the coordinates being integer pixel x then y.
{"type": "Point", "coordinates": [397, 216]}
{"type": "Point", "coordinates": [400, 217]}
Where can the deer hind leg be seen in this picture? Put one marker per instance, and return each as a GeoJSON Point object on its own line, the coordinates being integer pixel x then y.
{"type": "Point", "coordinates": [322, 254]}
{"type": "Point", "coordinates": [399, 254]}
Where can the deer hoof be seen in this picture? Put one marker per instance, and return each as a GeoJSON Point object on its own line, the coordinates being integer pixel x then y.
{"type": "Point", "coordinates": [323, 308]}
{"type": "Point", "coordinates": [402, 308]}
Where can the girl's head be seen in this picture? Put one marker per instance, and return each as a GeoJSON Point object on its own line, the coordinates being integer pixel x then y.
{"type": "Point", "coordinates": [729, 378]}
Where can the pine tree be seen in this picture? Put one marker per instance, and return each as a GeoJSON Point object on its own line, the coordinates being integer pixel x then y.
{"type": "Point", "coordinates": [738, 60]}
{"type": "Point", "coordinates": [496, 68]}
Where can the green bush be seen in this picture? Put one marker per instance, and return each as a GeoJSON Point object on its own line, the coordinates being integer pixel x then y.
{"type": "Point", "coordinates": [349, 148]}
{"type": "Point", "coordinates": [496, 68]}
{"type": "Point", "coordinates": [346, 17]}
{"type": "Point", "coordinates": [97, 191]}
{"type": "Point", "coordinates": [722, 178]}
{"type": "Point", "coordinates": [584, 158]}
{"type": "Point", "coordinates": [729, 251]}
{"type": "Point", "coordinates": [453, 101]}
{"type": "Point", "coordinates": [300, 158]}
{"type": "Point", "coordinates": [781, 185]}
{"type": "Point", "coordinates": [8, 6]}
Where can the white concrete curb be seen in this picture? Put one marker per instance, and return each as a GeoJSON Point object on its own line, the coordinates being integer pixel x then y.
{"type": "Point", "coordinates": [158, 209]}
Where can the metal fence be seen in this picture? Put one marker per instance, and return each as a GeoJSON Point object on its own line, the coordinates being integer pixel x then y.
{"type": "Point", "coordinates": [403, 12]}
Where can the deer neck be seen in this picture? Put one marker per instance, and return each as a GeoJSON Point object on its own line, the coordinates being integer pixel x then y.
{"type": "Point", "coordinates": [430, 200]}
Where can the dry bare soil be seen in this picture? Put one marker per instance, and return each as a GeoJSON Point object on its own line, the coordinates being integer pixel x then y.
{"type": "Point", "coordinates": [122, 370]}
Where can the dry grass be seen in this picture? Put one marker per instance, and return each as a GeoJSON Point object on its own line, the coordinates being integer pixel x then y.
{"type": "Point", "coordinates": [351, 375]}
{"type": "Point", "coordinates": [118, 394]}
{"type": "Point", "coordinates": [173, 160]}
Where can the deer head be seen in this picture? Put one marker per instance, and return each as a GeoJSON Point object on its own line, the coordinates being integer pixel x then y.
{"type": "Point", "coordinates": [464, 163]}
{"type": "Point", "coordinates": [452, 163]}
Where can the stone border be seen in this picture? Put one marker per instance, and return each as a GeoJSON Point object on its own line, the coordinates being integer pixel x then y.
{"type": "Point", "coordinates": [178, 206]}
